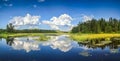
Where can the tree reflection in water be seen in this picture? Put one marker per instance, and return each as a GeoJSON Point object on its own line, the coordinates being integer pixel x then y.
{"type": "Point", "coordinates": [92, 44]}
{"type": "Point", "coordinates": [10, 40]}
{"type": "Point", "coordinates": [113, 46]}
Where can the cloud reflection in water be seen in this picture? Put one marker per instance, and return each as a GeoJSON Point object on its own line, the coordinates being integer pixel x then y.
{"type": "Point", "coordinates": [62, 43]}
{"type": "Point", "coordinates": [27, 45]}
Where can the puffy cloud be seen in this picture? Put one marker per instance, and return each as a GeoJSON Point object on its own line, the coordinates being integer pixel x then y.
{"type": "Point", "coordinates": [63, 20]}
{"type": "Point", "coordinates": [86, 17]}
{"type": "Point", "coordinates": [26, 20]}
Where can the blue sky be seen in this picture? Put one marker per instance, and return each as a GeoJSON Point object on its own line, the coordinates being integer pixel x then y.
{"type": "Point", "coordinates": [78, 10]}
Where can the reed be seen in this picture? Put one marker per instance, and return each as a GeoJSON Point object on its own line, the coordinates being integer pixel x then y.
{"type": "Point", "coordinates": [83, 37]}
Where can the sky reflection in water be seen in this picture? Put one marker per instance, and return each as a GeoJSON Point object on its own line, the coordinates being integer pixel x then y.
{"type": "Point", "coordinates": [57, 48]}
{"type": "Point", "coordinates": [61, 43]}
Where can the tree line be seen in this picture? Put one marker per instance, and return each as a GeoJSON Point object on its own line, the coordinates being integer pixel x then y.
{"type": "Point", "coordinates": [98, 26]}
{"type": "Point", "coordinates": [10, 29]}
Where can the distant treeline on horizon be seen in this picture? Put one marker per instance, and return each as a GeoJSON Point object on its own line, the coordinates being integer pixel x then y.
{"type": "Point", "coordinates": [28, 31]}
{"type": "Point", "coordinates": [10, 29]}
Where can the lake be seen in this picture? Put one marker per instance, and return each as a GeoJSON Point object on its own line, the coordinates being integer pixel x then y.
{"type": "Point", "coordinates": [57, 48]}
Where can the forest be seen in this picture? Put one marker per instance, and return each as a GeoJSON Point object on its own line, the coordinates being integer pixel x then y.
{"type": "Point", "coordinates": [112, 25]}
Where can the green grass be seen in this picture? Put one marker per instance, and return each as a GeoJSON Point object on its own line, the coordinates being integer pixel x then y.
{"type": "Point", "coordinates": [96, 39]}
{"type": "Point", "coordinates": [83, 37]}
{"type": "Point", "coordinates": [4, 35]}
{"type": "Point", "coordinates": [43, 36]}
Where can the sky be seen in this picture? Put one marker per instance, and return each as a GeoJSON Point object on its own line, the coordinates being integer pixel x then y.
{"type": "Point", "coordinates": [55, 14]}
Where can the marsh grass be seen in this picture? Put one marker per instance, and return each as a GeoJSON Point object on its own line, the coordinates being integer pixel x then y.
{"type": "Point", "coordinates": [96, 39]}
{"type": "Point", "coordinates": [41, 35]}
{"type": "Point", "coordinates": [43, 38]}
{"type": "Point", "coordinates": [83, 37]}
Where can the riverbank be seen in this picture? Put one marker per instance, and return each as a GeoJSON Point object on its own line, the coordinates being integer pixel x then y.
{"type": "Point", "coordinates": [84, 37]}
{"type": "Point", "coordinates": [6, 35]}
{"type": "Point", "coordinates": [77, 37]}
{"type": "Point", "coordinates": [43, 36]}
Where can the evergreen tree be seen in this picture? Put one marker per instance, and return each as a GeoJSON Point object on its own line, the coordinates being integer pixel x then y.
{"type": "Point", "coordinates": [98, 26]}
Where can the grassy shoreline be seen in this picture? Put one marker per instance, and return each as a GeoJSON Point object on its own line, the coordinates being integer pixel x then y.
{"type": "Point", "coordinates": [6, 35]}
{"type": "Point", "coordinates": [83, 37]}
{"type": "Point", "coordinates": [43, 36]}
{"type": "Point", "coordinates": [77, 37]}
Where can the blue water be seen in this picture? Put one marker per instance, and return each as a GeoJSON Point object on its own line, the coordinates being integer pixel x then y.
{"type": "Point", "coordinates": [58, 48]}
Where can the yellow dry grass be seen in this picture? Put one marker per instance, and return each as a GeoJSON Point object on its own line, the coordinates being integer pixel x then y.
{"type": "Point", "coordinates": [82, 37]}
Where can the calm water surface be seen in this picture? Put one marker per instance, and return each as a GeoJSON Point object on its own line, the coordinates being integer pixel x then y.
{"type": "Point", "coordinates": [57, 48]}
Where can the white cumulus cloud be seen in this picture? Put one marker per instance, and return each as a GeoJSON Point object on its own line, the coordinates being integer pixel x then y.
{"type": "Point", "coordinates": [86, 17]}
{"type": "Point", "coordinates": [58, 23]}
{"type": "Point", "coordinates": [26, 20]}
